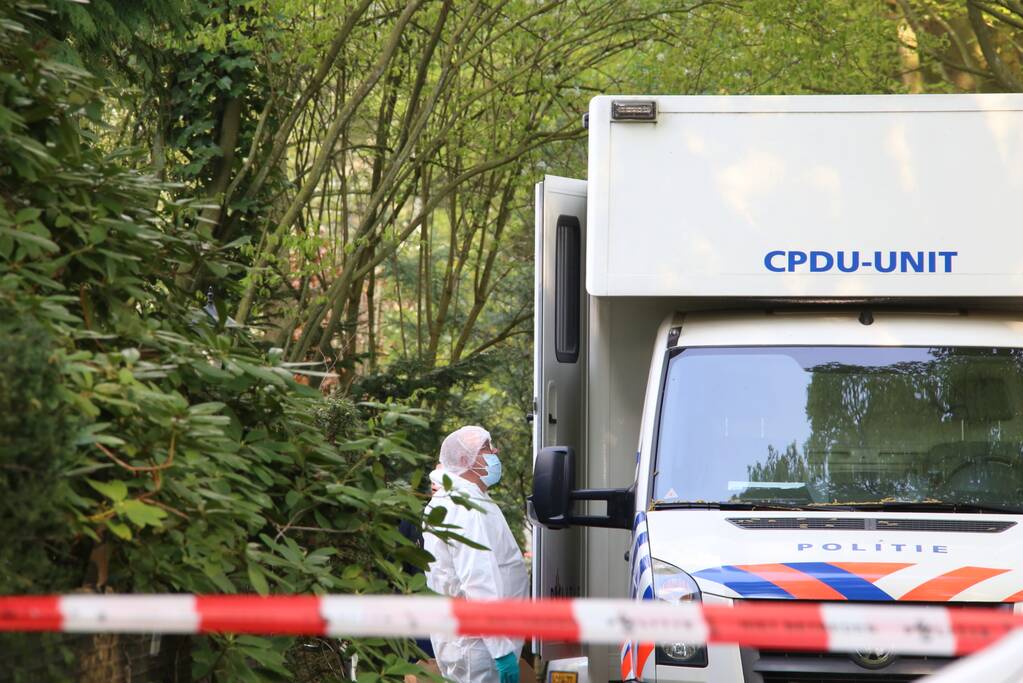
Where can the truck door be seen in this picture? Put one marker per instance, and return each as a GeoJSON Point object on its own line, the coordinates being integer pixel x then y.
{"type": "Point", "coordinates": [559, 366]}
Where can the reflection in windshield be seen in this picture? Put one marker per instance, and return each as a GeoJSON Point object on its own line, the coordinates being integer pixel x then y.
{"type": "Point", "coordinates": [803, 425]}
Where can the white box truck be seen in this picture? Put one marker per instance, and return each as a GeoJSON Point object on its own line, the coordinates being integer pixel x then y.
{"type": "Point", "coordinates": [779, 356]}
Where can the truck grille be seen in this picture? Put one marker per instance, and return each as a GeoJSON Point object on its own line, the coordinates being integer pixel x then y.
{"type": "Point", "coordinates": [777, 666]}
{"type": "Point", "coordinates": [799, 666]}
{"type": "Point", "coordinates": [975, 526]}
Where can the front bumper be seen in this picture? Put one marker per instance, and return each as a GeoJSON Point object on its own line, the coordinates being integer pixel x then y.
{"type": "Point", "coordinates": [733, 663]}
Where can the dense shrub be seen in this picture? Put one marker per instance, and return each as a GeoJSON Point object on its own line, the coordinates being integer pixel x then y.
{"type": "Point", "coordinates": [145, 445]}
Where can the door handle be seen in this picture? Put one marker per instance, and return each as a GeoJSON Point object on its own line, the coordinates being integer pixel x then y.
{"type": "Point", "coordinates": [551, 407]}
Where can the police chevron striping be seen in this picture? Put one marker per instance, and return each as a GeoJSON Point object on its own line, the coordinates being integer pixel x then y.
{"type": "Point", "coordinates": [833, 626]}
{"type": "Point", "coordinates": [635, 655]}
{"type": "Point", "coordinates": [844, 581]}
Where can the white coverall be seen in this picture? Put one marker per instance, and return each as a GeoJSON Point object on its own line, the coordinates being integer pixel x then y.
{"type": "Point", "coordinates": [464, 572]}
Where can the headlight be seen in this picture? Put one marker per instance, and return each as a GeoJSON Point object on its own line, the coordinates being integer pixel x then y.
{"type": "Point", "coordinates": [673, 585]}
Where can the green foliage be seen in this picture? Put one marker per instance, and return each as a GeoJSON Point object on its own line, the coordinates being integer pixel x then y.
{"type": "Point", "coordinates": [211, 64]}
{"type": "Point", "coordinates": [766, 47]}
{"type": "Point", "coordinates": [36, 434]}
{"type": "Point", "coordinates": [96, 28]}
{"type": "Point", "coordinates": [144, 446]}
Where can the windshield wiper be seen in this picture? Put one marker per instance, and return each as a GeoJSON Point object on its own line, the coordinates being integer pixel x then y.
{"type": "Point", "coordinates": [887, 506]}
{"type": "Point", "coordinates": [700, 505]}
{"type": "Point", "coordinates": [934, 506]}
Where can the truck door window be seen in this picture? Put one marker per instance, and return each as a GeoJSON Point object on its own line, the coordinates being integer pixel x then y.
{"type": "Point", "coordinates": [567, 284]}
{"type": "Point", "coordinates": [802, 425]}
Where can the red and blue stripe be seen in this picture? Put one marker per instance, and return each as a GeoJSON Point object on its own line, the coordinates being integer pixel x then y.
{"type": "Point", "coordinates": [635, 655]}
{"type": "Point", "coordinates": [805, 580]}
{"type": "Point", "coordinates": [839, 581]}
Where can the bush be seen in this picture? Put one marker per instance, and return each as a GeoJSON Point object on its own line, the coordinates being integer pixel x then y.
{"type": "Point", "coordinates": [145, 446]}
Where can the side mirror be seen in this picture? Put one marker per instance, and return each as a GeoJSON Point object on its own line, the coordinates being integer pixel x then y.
{"type": "Point", "coordinates": [553, 476]}
{"type": "Point", "coordinates": [553, 497]}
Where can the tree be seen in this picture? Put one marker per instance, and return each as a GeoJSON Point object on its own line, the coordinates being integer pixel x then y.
{"type": "Point", "coordinates": [971, 46]}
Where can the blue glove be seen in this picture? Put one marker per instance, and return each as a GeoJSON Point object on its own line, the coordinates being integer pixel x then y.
{"type": "Point", "coordinates": [508, 668]}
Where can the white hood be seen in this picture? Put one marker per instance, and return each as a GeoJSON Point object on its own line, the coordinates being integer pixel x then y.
{"type": "Point", "coordinates": [864, 564]}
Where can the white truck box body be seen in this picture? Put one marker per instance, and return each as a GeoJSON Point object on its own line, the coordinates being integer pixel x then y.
{"type": "Point", "coordinates": [719, 191]}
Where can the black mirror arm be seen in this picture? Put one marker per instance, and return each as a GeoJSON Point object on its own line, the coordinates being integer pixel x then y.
{"type": "Point", "coordinates": [620, 507]}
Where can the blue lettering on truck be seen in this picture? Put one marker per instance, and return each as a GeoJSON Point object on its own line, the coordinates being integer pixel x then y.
{"type": "Point", "coordinates": [867, 547]}
{"type": "Point", "coordinates": [794, 261]}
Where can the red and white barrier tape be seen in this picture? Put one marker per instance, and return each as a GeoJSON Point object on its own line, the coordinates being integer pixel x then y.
{"type": "Point", "coordinates": [832, 627]}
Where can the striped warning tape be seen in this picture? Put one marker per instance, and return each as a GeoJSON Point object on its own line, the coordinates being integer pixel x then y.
{"type": "Point", "coordinates": [834, 627]}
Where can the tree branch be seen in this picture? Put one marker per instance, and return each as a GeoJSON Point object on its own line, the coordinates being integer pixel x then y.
{"type": "Point", "coordinates": [1001, 72]}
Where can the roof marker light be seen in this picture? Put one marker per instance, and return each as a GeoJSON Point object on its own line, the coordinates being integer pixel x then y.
{"type": "Point", "coordinates": [634, 110]}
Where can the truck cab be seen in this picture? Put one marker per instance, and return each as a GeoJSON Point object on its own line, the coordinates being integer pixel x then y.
{"type": "Point", "coordinates": [779, 356]}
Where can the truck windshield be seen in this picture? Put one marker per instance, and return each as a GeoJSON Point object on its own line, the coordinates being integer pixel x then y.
{"type": "Point", "coordinates": [842, 425]}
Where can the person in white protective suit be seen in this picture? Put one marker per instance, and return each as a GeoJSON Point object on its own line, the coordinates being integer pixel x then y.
{"type": "Point", "coordinates": [471, 463]}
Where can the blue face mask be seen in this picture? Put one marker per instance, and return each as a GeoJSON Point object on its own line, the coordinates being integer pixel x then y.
{"type": "Point", "coordinates": [494, 470]}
